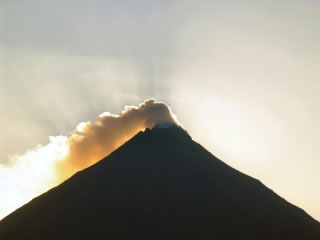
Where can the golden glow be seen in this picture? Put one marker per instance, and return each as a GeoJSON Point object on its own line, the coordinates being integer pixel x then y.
{"type": "Point", "coordinates": [38, 170]}
{"type": "Point", "coordinates": [76, 160]}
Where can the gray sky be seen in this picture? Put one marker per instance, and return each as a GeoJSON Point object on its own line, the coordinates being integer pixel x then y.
{"type": "Point", "coordinates": [241, 76]}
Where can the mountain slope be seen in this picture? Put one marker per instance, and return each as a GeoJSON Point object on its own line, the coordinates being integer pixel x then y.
{"type": "Point", "coordinates": [161, 182]}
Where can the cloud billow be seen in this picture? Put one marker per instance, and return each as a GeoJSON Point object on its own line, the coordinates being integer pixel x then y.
{"type": "Point", "coordinates": [44, 167]}
{"type": "Point", "coordinates": [93, 141]}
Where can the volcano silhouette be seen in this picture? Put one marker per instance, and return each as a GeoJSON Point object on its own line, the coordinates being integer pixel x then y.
{"type": "Point", "coordinates": [160, 183]}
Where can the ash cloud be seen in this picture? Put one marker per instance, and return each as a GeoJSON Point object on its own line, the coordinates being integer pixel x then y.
{"type": "Point", "coordinates": [93, 141]}
{"type": "Point", "coordinates": [44, 167]}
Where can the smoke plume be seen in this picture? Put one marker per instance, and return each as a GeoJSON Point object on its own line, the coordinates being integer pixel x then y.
{"type": "Point", "coordinates": [38, 170]}
{"type": "Point", "coordinates": [93, 141]}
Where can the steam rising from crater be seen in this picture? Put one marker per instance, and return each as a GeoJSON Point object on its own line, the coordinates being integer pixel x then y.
{"type": "Point", "coordinates": [93, 141]}
{"type": "Point", "coordinates": [42, 168]}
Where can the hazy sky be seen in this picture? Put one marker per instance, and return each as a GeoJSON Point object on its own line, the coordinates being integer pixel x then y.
{"type": "Point", "coordinates": [242, 77]}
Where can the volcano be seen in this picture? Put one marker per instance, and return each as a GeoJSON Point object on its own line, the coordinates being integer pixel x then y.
{"type": "Point", "coordinates": [160, 183]}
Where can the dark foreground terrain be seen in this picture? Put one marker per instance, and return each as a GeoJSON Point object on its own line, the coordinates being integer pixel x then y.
{"type": "Point", "coordinates": [163, 185]}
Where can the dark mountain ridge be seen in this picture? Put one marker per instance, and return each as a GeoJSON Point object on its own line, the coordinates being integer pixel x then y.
{"type": "Point", "coordinates": [160, 182]}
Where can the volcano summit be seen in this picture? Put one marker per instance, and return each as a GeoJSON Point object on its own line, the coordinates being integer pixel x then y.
{"type": "Point", "coordinates": [160, 181]}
